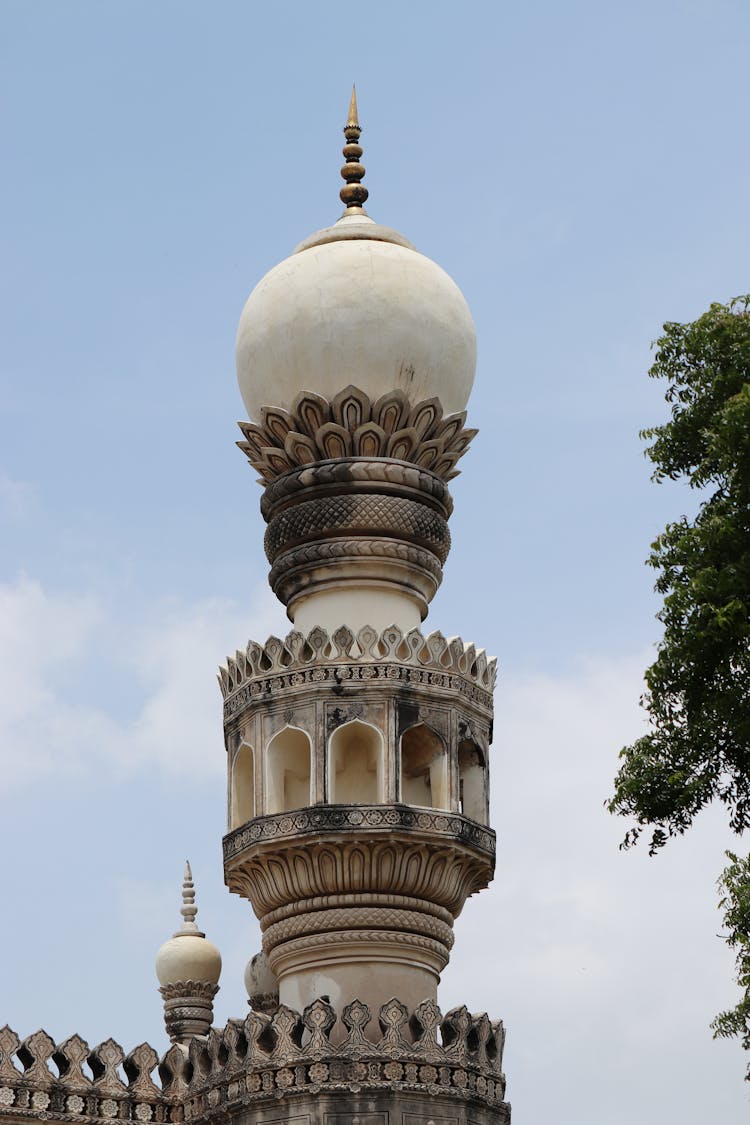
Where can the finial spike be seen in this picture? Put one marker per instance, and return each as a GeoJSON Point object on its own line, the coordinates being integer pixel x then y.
{"type": "Point", "coordinates": [353, 194]}
{"type": "Point", "coordinates": [188, 910]}
{"type": "Point", "coordinates": [353, 119]}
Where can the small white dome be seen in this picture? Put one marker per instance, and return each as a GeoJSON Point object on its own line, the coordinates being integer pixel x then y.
{"type": "Point", "coordinates": [259, 977]}
{"type": "Point", "coordinates": [188, 957]}
{"type": "Point", "coordinates": [355, 303]}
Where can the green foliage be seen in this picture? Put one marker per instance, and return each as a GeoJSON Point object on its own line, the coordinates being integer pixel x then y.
{"type": "Point", "coordinates": [697, 696]}
{"type": "Point", "coordinates": [735, 885]}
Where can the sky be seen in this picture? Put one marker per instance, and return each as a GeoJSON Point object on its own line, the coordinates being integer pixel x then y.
{"type": "Point", "coordinates": [581, 171]}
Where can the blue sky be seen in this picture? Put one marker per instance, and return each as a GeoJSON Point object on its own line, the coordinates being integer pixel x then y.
{"type": "Point", "coordinates": [581, 171]}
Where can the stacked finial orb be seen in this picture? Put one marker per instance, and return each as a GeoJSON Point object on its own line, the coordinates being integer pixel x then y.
{"type": "Point", "coordinates": [354, 193]}
{"type": "Point", "coordinates": [188, 967]}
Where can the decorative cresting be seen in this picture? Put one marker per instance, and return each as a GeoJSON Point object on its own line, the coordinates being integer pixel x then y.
{"type": "Point", "coordinates": [353, 425]}
{"type": "Point", "coordinates": [450, 1063]}
{"type": "Point", "coordinates": [282, 663]}
{"type": "Point", "coordinates": [354, 194]}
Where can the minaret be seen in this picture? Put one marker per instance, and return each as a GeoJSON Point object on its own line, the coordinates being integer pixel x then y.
{"type": "Point", "coordinates": [358, 745]}
{"type": "Point", "coordinates": [188, 967]}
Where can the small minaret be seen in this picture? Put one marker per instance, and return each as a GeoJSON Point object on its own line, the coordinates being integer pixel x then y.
{"type": "Point", "coordinates": [188, 967]}
{"type": "Point", "coordinates": [358, 747]}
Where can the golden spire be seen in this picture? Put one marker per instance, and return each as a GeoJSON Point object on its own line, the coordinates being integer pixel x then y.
{"type": "Point", "coordinates": [353, 119]}
{"type": "Point", "coordinates": [353, 194]}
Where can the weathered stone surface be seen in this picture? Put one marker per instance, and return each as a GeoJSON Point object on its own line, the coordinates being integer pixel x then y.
{"type": "Point", "coordinates": [352, 424]}
{"type": "Point", "coordinates": [316, 1066]}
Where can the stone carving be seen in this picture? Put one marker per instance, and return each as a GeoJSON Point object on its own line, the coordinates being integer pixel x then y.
{"type": "Point", "coordinates": [333, 563]}
{"type": "Point", "coordinates": [358, 474]}
{"type": "Point", "coordinates": [69, 1058]}
{"type": "Point", "coordinates": [351, 424]}
{"type": "Point", "coordinates": [292, 869]}
{"type": "Point", "coordinates": [359, 515]}
{"type": "Point", "coordinates": [250, 1061]}
{"type": "Point", "coordinates": [356, 820]}
{"type": "Point", "coordinates": [410, 651]}
{"type": "Point", "coordinates": [339, 885]}
{"type": "Point", "coordinates": [188, 1008]}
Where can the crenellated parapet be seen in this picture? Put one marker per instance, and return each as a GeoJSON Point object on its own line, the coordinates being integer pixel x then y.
{"type": "Point", "coordinates": [413, 1053]}
{"type": "Point", "coordinates": [68, 1081]}
{"type": "Point", "coordinates": [260, 665]}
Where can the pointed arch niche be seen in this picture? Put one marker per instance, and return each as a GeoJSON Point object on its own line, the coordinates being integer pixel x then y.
{"type": "Point", "coordinates": [355, 765]}
{"type": "Point", "coordinates": [243, 786]}
{"type": "Point", "coordinates": [472, 795]}
{"type": "Point", "coordinates": [288, 771]}
{"type": "Point", "coordinates": [424, 768]}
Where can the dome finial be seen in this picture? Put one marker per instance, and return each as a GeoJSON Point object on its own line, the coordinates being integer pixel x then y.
{"type": "Point", "coordinates": [188, 968]}
{"type": "Point", "coordinates": [188, 910]}
{"type": "Point", "coordinates": [353, 194]}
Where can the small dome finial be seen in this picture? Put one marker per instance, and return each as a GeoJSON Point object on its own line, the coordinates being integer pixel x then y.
{"type": "Point", "coordinates": [188, 968]}
{"type": "Point", "coordinates": [353, 194]}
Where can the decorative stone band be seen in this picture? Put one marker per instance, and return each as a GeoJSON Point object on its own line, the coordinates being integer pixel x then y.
{"type": "Point", "coordinates": [352, 425]}
{"type": "Point", "coordinates": [404, 875]}
{"type": "Point", "coordinates": [188, 1009]}
{"type": "Point", "coordinates": [285, 663]}
{"type": "Point", "coordinates": [331, 564]}
{"type": "Point", "coordinates": [358, 516]}
{"type": "Point", "coordinates": [430, 864]}
{"type": "Point", "coordinates": [357, 475]}
{"type": "Point", "coordinates": [351, 522]}
{"type": "Point", "coordinates": [358, 821]}
{"type": "Point", "coordinates": [457, 1057]}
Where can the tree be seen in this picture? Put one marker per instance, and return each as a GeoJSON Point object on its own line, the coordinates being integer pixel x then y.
{"type": "Point", "coordinates": [697, 696]}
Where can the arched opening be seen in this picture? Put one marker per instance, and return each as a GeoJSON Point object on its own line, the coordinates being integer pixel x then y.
{"type": "Point", "coordinates": [472, 795]}
{"type": "Point", "coordinates": [243, 786]}
{"type": "Point", "coordinates": [424, 768]}
{"type": "Point", "coordinates": [355, 774]}
{"type": "Point", "coordinates": [288, 771]}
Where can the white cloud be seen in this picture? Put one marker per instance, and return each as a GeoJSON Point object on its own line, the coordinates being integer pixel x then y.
{"type": "Point", "coordinates": [606, 966]}
{"type": "Point", "coordinates": [67, 660]}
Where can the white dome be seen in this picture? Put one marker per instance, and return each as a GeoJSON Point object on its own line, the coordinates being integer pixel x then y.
{"type": "Point", "coordinates": [355, 303]}
{"type": "Point", "coordinates": [259, 977]}
{"type": "Point", "coordinates": [188, 957]}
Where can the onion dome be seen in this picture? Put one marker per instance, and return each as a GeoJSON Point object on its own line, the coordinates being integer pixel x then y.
{"type": "Point", "coordinates": [355, 303]}
{"type": "Point", "coordinates": [188, 956]}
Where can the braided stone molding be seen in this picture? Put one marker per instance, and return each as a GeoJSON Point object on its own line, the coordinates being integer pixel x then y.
{"type": "Point", "coordinates": [358, 515]}
{"type": "Point", "coordinates": [354, 475]}
{"type": "Point", "coordinates": [411, 567]}
{"type": "Point", "coordinates": [359, 918]}
{"type": "Point", "coordinates": [332, 902]}
{"type": "Point", "coordinates": [393, 937]}
{"type": "Point", "coordinates": [456, 1057]}
{"type": "Point", "coordinates": [391, 654]}
{"type": "Point", "coordinates": [351, 424]}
